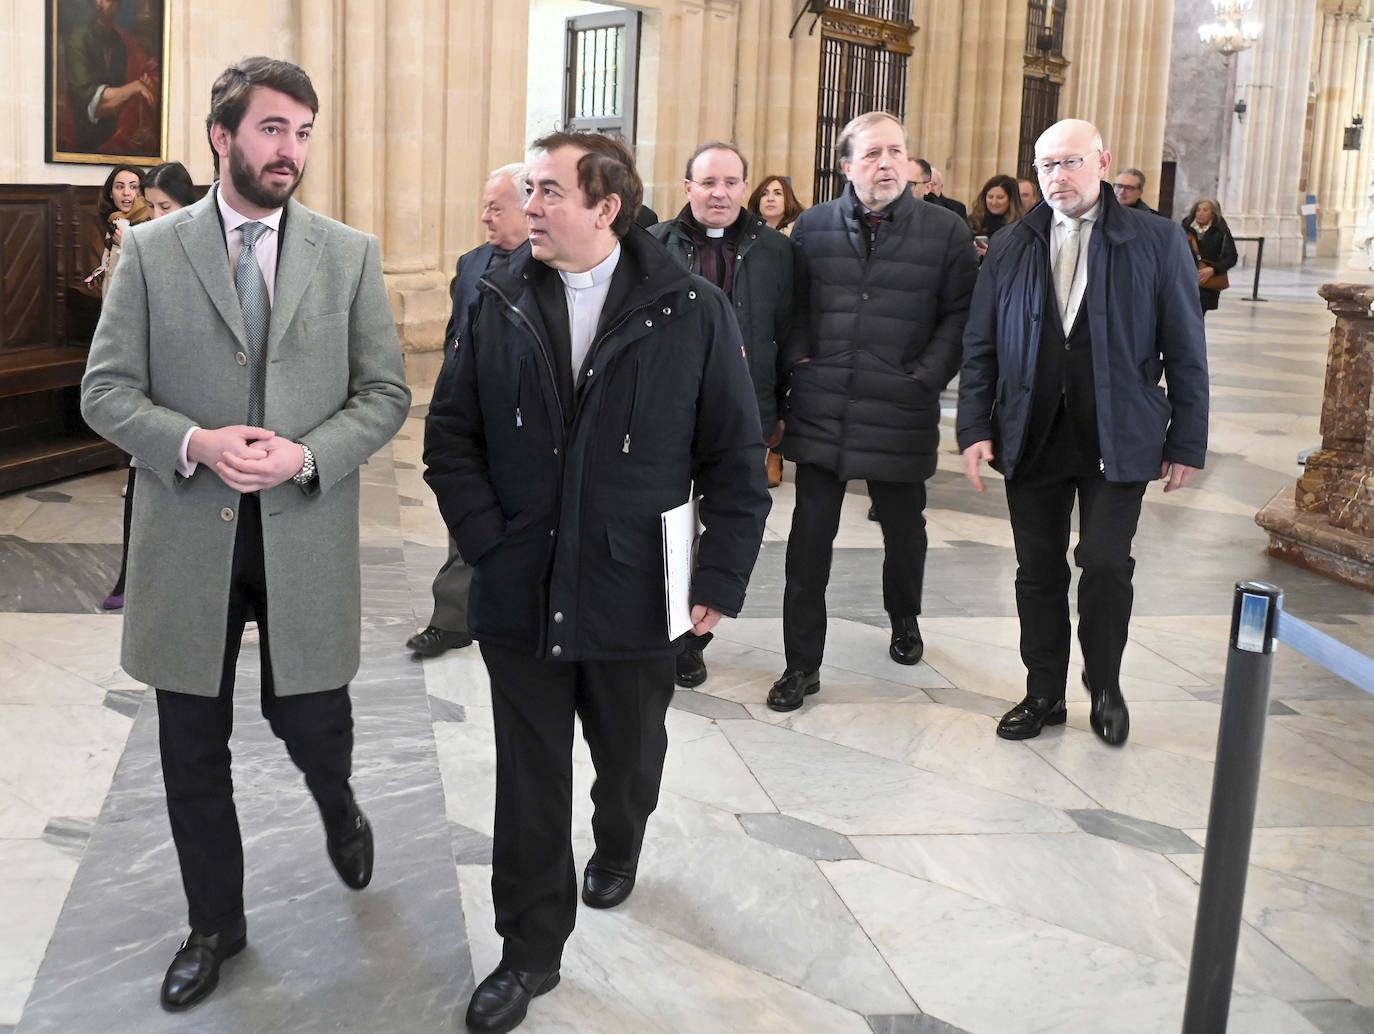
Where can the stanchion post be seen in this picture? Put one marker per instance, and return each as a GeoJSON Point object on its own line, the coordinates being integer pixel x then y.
{"type": "Point", "coordinates": [1231, 820]}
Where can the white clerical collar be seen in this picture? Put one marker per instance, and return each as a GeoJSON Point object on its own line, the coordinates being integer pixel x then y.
{"type": "Point", "coordinates": [597, 275]}
{"type": "Point", "coordinates": [715, 231]}
{"type": "Point", "coordinates": [1090, 215]}
{"type": "Point", "coordinates": [233, 220]}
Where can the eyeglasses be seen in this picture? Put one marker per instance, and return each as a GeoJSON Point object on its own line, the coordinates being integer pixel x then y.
{"type": "Point", "coordinates": [920, 183]}
{"type": "Point", "coordinates": [1126, 186]}
{"type": "Point", "coordinates": [712, 184]}
{"type": "Point", "coordinates": [1046, 168]}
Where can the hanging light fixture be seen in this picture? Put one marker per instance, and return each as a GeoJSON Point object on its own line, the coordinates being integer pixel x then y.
{"type": "Point", "coordinates": [1232, 30]}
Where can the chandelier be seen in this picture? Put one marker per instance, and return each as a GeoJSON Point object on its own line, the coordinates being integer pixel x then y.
{"type": "Point", "coordinates": [1232, 30]}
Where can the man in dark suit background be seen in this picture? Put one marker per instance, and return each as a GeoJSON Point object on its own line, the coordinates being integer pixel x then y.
{"type": "Point", "coordinates": [503, 214]}
{"type": "Point", "coordinates": [1081, 306]}
{"type": "Point", "coordinates": [935, 194]}
{"type": "Point", "coordinates": [247, 359]}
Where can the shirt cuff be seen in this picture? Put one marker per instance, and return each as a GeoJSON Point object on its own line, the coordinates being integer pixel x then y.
{"type": "Point", "coordinates": [185, 466]}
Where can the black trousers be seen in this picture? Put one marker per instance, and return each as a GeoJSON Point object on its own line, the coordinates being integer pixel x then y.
{"type": "Point", "coordinates": [193, 733]}
{"type": "Point", "coordinates": [1041, 505]}
{"type": "Point", "coordinates": [815, 520]}
{"type": "Point", "coordinates": [622, 706]}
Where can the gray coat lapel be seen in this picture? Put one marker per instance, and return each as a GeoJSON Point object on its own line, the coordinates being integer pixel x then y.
{"type": "Point", "coordinates": [203, 238]}
{"type": "Point", "coordinates": [302, 237]}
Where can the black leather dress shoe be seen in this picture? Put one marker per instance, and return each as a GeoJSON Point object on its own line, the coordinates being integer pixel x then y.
{"type": "Point", "coordinates": [431, 642]}
{"type": "Point", "coordinates": [1109, 717]}
{"type": "Point", "coordinates": [501, 1000]}
{"type": "Point", "coordinates": [605, 885]}
{"type": "Point", "coordinates": [691, 668]}
{"type": "Point", "coordinates": [907, 644]}
{"type": "Point", "coordinates": [792, 689]}
{"type": "Point", "coordinates": [1031, 715]}
{"type": "Point", "coordinates": [349, 841]}
{"type": "Point", "coordinates": [194, 971]}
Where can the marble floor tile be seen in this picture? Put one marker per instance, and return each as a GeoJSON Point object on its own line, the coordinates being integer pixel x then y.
{"type": "Point", "coordinates": [944, 740]}
{"type": "Point", "coordinates": [86, 645]}
{"type": "Point", "coordinates": [623, 977]}
{"type": "Point", "coordinates": [957, 955]}
{"type": "Point", "coordinates": [59, 761]}
{"type": "Point", "coordinates": [37, 876]}
{"type": "Point", "coordinates": [861, 793]}
{"type": "Point", "coordinates": [702, 765]}
{"type": "Point", "coordinates": [1330, 932]}
{"type": "Point", "coordinates": [1102, 889]}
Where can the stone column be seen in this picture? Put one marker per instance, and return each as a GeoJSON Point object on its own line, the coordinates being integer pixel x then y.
{"type": "Point", "coordinates": [1260, 195]}
{"type": "Point", "coordinates": [1343, 89]}
{"type": "Point", "coordinates": [1326, 523]}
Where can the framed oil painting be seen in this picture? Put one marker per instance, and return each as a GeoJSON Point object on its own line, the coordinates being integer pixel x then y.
{"type": "Point", "coordinates": [107, 88]}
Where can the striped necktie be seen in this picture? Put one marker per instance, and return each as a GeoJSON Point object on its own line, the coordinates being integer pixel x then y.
{"type": "Point", "coordinates": [1065, 266]}
{"type": "Point", "coordinates": [257, 310]}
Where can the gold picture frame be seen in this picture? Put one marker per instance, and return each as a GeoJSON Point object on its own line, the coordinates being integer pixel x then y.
{"type": "Point", "coordinates": [107, 84]}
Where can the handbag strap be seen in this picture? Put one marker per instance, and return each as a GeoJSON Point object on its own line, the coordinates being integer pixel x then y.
{"type": "Point", "coordinates": [1192, 243]}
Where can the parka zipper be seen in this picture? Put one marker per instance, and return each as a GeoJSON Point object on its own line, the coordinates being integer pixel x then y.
{"type": "Point", "coordinates": [553, 377]}
{"type": "Point", "coordinates": [630, 419]}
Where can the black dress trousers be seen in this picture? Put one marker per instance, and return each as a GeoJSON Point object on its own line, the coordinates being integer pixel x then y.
{"type": "Point", "coordinates": [900, 509]}
{"type": "Point", "coordinates": [1040, 498]}
{"type": "Point", "coordinates": [622, 705]}
{"type": "Point", "coordinates": [194, 731]}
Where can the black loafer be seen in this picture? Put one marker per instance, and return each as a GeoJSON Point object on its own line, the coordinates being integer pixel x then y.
{"type": "Point", "coordinates": [691, 667]}
{"type": "Point", "coordinates": [194, 971]}
{"type": "Point", "coordinates": [792, 689]}
{"type": "Point", "coordinates": [1109, 717]}
{"type": "Point", "coordinates": [349, 841]}
{"type": "Point", "coordinates": [501, 1000]}
{"type": "Point", "coordinates": [1032, 714]}
{"type": "Point", "coordinates": [432, 641]}
{"type": "Point", "coordinates": [605, 885]}
{"type": "Point", "coordinates": [907, 644]}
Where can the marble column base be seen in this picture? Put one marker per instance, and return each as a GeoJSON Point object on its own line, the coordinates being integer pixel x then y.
{"type": "Point", "coordinates": [422, 306]}
{"type": "Point", "coordinates": [1310, 540]}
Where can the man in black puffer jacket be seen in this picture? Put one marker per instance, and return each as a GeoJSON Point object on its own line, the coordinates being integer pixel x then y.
{"type": "Point", "coordinates": [598, 379]}
{"type": "Point", "coordinates": [883, 286]}
{"type": "Point", "coordinates": [712, 236]}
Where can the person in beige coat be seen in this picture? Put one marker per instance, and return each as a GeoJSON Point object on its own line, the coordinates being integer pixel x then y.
{"type": "Point", "coordinates": [247, 358]}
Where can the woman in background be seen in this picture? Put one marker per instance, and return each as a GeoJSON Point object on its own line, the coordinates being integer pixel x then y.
{"type": "Point", "coordinates": [166, 188]}
{"type": "Point", "coordinates": [774, 200]}
{"type": "Point", "coordinates": [121, 205]}
{"type": "Point", "coordinates": [1213, 247]}
{"type": "Point", "coordinates": [998, 204]}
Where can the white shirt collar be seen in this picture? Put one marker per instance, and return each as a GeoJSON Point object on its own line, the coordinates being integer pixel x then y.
{"type": "Point", "coordinates": [1064, 221]}
{"type": "Point", "coordinates": [594, 277]}
{"type": "Point", "coordinates": [233, 220]}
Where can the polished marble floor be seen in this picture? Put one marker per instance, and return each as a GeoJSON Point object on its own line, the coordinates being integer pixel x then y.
{"type": "Point", "coordinates": [875, 862]}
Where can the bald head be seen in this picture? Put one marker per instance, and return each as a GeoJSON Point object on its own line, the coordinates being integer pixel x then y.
{"type": "Point", "coordinates": [1072, 142]}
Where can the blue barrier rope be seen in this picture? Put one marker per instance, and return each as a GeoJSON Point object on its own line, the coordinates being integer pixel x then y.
{"type": "Point", "coordinates": [1331, 654]}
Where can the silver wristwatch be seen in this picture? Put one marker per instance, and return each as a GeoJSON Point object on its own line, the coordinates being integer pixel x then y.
{"type": "Point", "coordinates": [307, 473]}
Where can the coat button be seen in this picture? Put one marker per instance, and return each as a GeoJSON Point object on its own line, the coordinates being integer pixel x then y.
{"type": "Point", "coordinates": [226, 514]}
{"type": "Point", "coordinates": [240, 358]}
{"type": "Point", "coordinates": [558, 618]}
{"type": "Point", "coordinates": [648, 323]}
{"type": "Point", "coordinates": [691, 294]}
{"type": "Point", "coordinates": [557, 651]}
{"type": "Point", "coordinates": [555, 450]}
{"type": "Point", "coordinates": [590, 372]}
{"type": "Point", "coordinates": [864, 296]}
{"type": "Point", "coordinates": [667, 311]}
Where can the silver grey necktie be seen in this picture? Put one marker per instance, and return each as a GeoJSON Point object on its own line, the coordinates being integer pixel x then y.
{"type": "Point", "coordinates": [257, 311]}
{"type": "Point", "coordinates": [1065, 265]}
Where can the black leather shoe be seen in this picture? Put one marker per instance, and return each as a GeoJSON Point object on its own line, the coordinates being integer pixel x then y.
{"type": "Point", "coordinates": [907, 644]}
{"type": "Point", "coordinates": [502, 999]}
{"type": "Point", "coordinates": [1109, 717]}
{"type": "Point", "coordinates": [431, 642]}
{"type": "Point", "coordinates": [605, 885]}
{"type": "Point", "coordinates": [1031, 715]}
{"type": "Point", "coordinates": [691, 667]}
{"type": "Point", "coordinates": [792, 689]}
{"type": "Point", "coordinates": [349, 841]}
{"type": "Point", "coordinates": [194, 971]}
